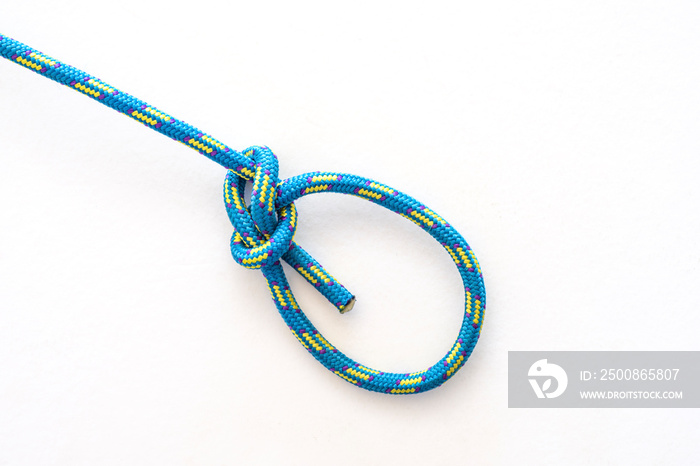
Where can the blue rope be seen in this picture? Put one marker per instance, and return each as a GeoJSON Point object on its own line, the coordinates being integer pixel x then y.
{"type": "Point", "coordinates": [264, 228]}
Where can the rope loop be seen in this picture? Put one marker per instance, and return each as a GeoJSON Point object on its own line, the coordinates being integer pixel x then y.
{"type": "Point", "coordinates": [260, 240]}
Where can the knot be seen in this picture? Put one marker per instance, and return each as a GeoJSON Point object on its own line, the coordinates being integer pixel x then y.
{"type": "Point", "coordinates": [264, 229]}
{"type": "Point", "coordinates": [262, 234]}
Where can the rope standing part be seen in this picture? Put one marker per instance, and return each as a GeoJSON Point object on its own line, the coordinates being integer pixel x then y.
{"type": "Point", "coordinates": [264, 228]}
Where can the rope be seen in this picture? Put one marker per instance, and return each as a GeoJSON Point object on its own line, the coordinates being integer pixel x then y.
{"type": "Point", "coordinates": [264, 228]}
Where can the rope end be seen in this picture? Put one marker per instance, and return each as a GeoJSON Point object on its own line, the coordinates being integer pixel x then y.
{"type": "Point", "coordinates": [348, 306]}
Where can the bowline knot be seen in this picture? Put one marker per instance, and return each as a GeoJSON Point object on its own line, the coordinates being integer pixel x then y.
{"type": "Point", "coordinates": [264, 229]}
{"type": "Point", "coordinates": [262, 234]}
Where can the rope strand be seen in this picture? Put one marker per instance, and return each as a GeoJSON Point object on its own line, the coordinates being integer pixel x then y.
{"type": "Point", "coordinates": [264, 228]}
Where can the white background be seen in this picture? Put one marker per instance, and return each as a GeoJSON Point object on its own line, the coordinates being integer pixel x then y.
{"type": "Point", "coordinates": [560, 138]}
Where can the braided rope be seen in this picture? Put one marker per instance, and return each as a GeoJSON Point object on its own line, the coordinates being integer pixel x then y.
{"type": "Point", "coordinates": [264, 229]}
